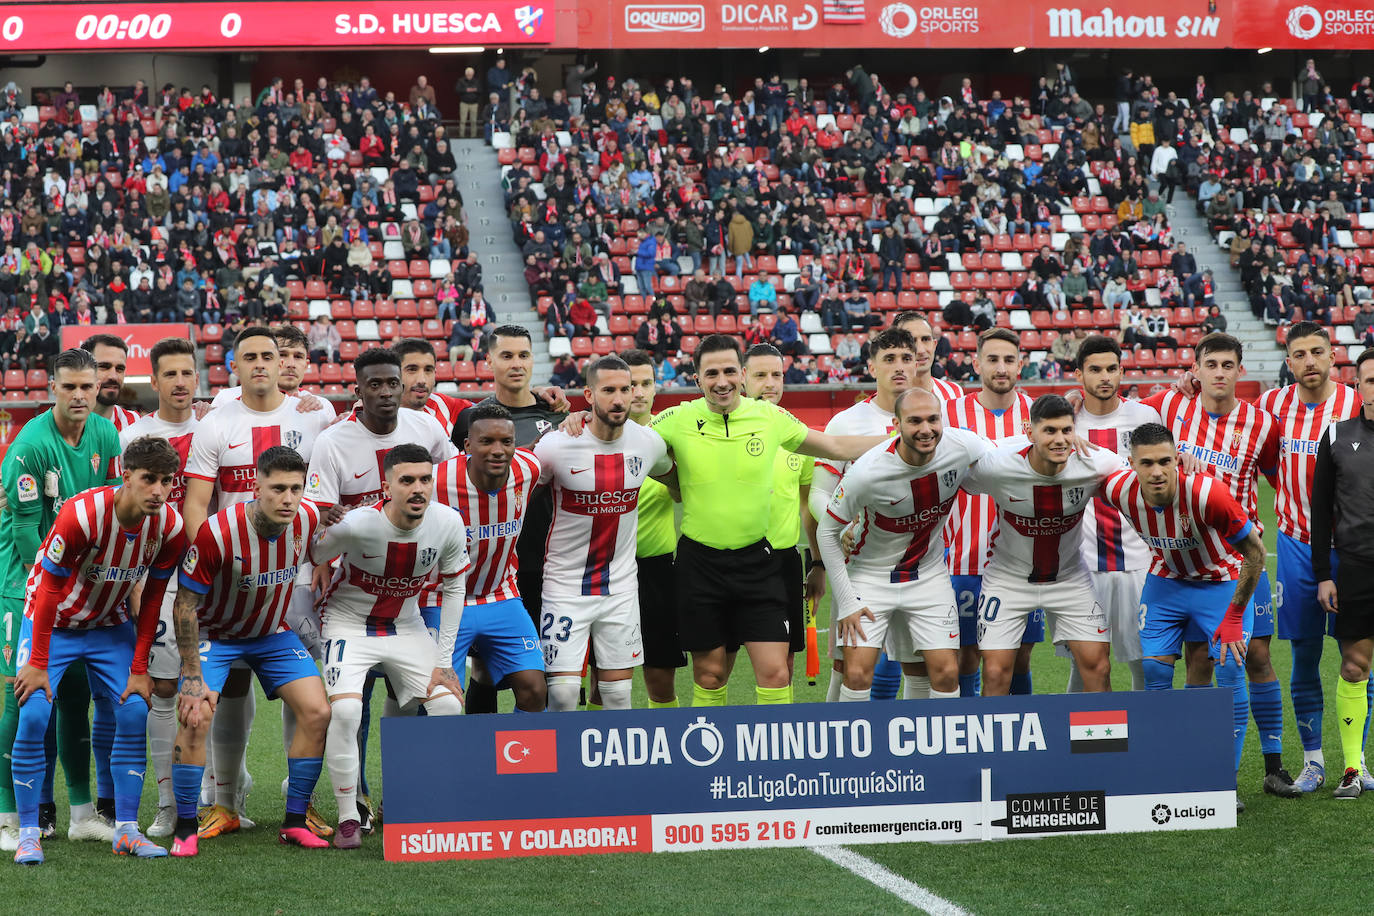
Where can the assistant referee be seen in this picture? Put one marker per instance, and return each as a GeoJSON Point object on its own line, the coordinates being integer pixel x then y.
{"type": "Point", "coordinates": [725, 446]}
{"type": "Point", "coordinates": [1343, 518]}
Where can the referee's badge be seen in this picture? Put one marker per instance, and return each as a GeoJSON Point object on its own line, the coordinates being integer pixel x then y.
{"type": "Point", "coordinates": [427, 556]}
{"type": "Point", "coordinates": [754, 447]}
{"type": "Point", "coordinates": [633, 465]}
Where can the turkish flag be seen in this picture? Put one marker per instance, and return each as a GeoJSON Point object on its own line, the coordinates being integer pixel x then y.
{"type": "Point", "coordinates": [534, 751]}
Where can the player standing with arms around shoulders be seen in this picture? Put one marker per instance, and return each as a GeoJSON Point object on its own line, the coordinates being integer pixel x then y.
{"type": "Point", "coordinates": [104, 542]}
{"type": "Point", "coordinates": [371, 613]}
{"type": "Point", "coordinates": [56, 456]}
{"type": "Point", "coordinates": [590, 579]}
{"type": "Point", "coordinates": [1116, 557]}
{"type": "Point", "coordinates": [236, 584]}
{"type": "Point", "coordinates": [1342, 514]}
{"type": "Point", "coordinates": [419, 370]}
{"type": "Point", "coordinates": [725, 448]}
{"type": "Point", "coordinates": [175, 379]}
{"type": "Point", "coordinates": [1041, 493]}
{"type": "Point", "coordinates": [1207, 560]}
{"type": "Point", "coordinates": [896, 578]}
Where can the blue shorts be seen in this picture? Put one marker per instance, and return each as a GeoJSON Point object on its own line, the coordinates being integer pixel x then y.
{"type": "Point", "coordinates": [1299, 616]}
{"type": "Point", "coordinates": [107, 651]}
{"type": "Point", "coordinates": [967, 589]}
{"type": "Point", "coordinates": [1173, 611]}
{"type": "Point", "coordinates": [503, 635]}
{"type": "Point", "coordinates": [1264, 607]}
{"type": "Point", "coordinates": [276, 659]}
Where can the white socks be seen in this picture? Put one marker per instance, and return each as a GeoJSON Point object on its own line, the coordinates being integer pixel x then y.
{"type": "Point", "coordinates": [229, 734]}
{"type": "Point", "coordinates": [942, 695]}
{"type": "Point", "coordinates": [443, 704]}
{"type": "Point", "coordinates": [564, 692]}
{"type": "Point", "coordinates": [615, 694]}
{"type": "Point", "coordinates": [832, 692]}
{"type": "Point", "coordinates": [854, 696]}
{"type": "Point", "coordinates": [162, 735]}
{"type": "Point", "coordinates": [915, 687]}
{"type": "Point", "coordinates": [1137, 674]}
{"type": "Point", "coordinates": [341, 754]}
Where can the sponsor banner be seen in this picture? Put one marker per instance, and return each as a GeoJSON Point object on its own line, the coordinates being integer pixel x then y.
{"type": "Point", "coordinates": [1317, 26]}
{"type": "Point", "coordinates": [806, 774]}
{"type": "Point", "coordinates": [290, 24]}
{"type": "Point", "coordinates": [139, 337]}
{"type": "Point", "coordinates": [902, 24]}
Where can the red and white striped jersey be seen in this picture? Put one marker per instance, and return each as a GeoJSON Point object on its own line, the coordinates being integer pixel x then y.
{"type": "Point", "coordinates": [494, 520]}
{"type": "Point", "coordinates": [123, 417]}
{"type": "Point", "coordinates": [590, 549]}
{"type": "Point", "coordinates": [970, 530]}
{"type": "Point", "coordinates": [1301, 427]}
{"type": "Point", "coordinates": [1039, 537]}
{"type": "Point", "coordinates": [346, 467]}
{"type": "Point", "coordinates": [245, 579]}
{"type": "Point", "coordinates": [864, 418]}
{"type": "Point", "coordinates": [946, 390]}
{"type": "Point", "coordinates": [382, 569]}
{"type": "Point", "coordinates": [901, 510]}
{"type": "Point", "coordinates": [1191, 539]}
{"type": "Point", "coordinates": [445, 408]}
{"type": "Point", "coordinates": [178, 434]}
{"type": "Point", "coordinates": [1109, 544]}
{"type": "Point", "coordinates": [100, 562]}
{"type": "Point", "coordinates": [1239, 446]}
{"type": "Point", "coordinates": [229, 439]}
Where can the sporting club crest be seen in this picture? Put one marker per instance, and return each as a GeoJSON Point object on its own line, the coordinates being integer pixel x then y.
{"type": "Point", "coordinates": [427, 557]}
{"type": "Point", "coordinates": [1075, 495]}
{"type": "Point", "coordinates": [543, 426]}
{"type": "Point", "coordinates": [292, 439]}
{"type": "Point", "coordinates": [634, 464]}
{"type": "Point", "coordinates": [95, 462]}
{"type": "Point", "coordinates": [150, 549]}
{"type": "Point", "coordinates": [949, 478]}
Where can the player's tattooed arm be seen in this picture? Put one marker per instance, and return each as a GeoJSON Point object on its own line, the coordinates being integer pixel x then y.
{"type": "Point", "coordinates": [1229, 635]}
{"type": "Point", "coordinates": [193, 699]}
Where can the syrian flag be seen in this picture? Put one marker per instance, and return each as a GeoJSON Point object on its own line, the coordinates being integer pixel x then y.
{"type": "Point", "coordinates": [1098, 731]}
{"type": "Point", "coordinates": [842, 12]}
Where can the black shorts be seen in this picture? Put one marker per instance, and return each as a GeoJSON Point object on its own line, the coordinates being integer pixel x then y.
{"type": "Point", "coordinates": [792, 582]}
{"type": "Point", "coordinates": [658, 613]}
{"type": "Point", "coordinates": [728, 597]}
{"type": "Point", "coordinates": [1355, 598]}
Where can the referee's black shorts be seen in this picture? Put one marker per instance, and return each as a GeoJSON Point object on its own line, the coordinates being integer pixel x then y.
{"type": "Point", "coordinates": [1355, 599]}
{"type": "Point", "coordinates": [792, 582]}
{"type": "Point", "coordinates": [728, 597]}
{"type": "Point", "coordinates": [658, 613]}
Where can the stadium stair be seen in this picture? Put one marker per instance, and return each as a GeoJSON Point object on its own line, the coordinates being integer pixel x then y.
{"type": "Point", "coordinates": [503, 270]}
{"type": "Point", "coordinates": [1262, 359]}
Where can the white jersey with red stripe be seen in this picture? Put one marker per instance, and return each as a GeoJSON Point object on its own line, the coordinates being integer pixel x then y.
{"type": "Point", "coordinates": [1239, 446]}
{"type": "Point", "coordinates": [1192, 538]}
{"type": "Point", "coordinates": [99, 561]}
{"type": "Point", "coordinates": [382, 569]}
{"type": "Point", "coordinates": [1301, 427]}
{"type": "Point", "coordinates": [901, 509]}
{"type": "Point", "coordinates": [123, 417]}
{"type": "Point", "coordinates": [1109, 544]}
{"type": "Point", "coordinates": [946, 390]}
{"type": "Point", "coordinates": [346, 467]}
{"type": "Point", "coordinates": [178, 434]}
{"type": "Point", "coordinates": [970, 529]}
{"type": "Point", "coordinates": [863, 418]}
{"type": "Point", "coordinates": [246, 579]}
{"type": "Point", "coordinates": [1039, 536]}
{"type": "Point", "coordinates": [591, 544]}
{"type": "Point", "coordinates": [445, 408]}
{"type": "Point", "coordinates": [229, 439]}
{"type": "Point", "coordinates": [494, 520]}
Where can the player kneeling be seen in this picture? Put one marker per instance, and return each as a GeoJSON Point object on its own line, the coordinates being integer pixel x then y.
{"type": "Point", "coordinates": [894, 583]}
{"type": "Point", "coordinates": [235, 587]}
{"type": "Point", "coordinates": [371, 615]}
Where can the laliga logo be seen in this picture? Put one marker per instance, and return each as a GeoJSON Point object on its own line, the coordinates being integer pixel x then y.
{"type": "Point", "coordinates": [529, 18]}
{"type": "Point", "coordinates": [897, 20]}
{"type": "Point", "coordinates": [1304, 22]}
{"type": "Point", "coordinates": [702, 743]}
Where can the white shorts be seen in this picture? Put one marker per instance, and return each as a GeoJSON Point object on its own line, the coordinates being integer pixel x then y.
{"type": "Point", "coordinates": [1069, 605]}
{"type": "Point", "coordinates": [909, 617]}
{"type": "Point", "coordinates": [609, 622]}
{"type": "Point", "coordinates": [1119, 594]}
{"type": "Point", "coordinates": [164, 659]}
{"type": "Point", "coordinates": [304, 619]}
{"type": "Point", "coordinates": [407, 660]}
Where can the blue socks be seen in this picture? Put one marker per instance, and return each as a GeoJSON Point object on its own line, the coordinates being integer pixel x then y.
{"type": "Point", "coordinates": [1232, 675]}
{"type": "Point", "coordinates": [28, 763]}
{"type": "Point", "coordinates": [1306, 688]}
{"type": "Point", "coordinates": [186, 779]}
{"type": "Point", "coordinates": [301, 775]}
{"type": "Point", "coordinates": [887, 679]}
{"type": "Point", "coordinates": [1266, 705]}
{"type": "Point", "coordinates": [102, 743]}
{"type": "Point", "coordinates": [970, 685]}
{"type": "Point", "coordinates": [1021, 684]}
{"type": "Point", "coordinates": [1158, 675]}
{"type": "Point", "coordinates": [129, 756]}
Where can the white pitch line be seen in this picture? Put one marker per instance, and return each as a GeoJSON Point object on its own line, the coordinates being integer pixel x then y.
{"type": "Point", "coordinates": [889, 881]}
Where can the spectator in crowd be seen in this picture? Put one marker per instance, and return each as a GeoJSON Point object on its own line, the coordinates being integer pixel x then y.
{"type": "Point", "coordinates": [762, 295]}
{"type": "Point", "coordinates": [324, 341]}
{"type": "Point", "coordinates": [565, 373]}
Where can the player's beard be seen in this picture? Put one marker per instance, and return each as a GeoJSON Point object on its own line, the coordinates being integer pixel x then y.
{"type": "Point", "coordinates": [608, 420]}
{"type": "Point", "coordinates": [107, 397]}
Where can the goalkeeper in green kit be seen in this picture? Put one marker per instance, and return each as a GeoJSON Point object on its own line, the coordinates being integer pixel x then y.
{"type": "Point", "coordinates": [55, 456]}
